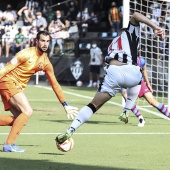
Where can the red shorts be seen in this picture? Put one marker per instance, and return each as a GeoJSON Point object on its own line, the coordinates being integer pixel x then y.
{"type": "Point", "coordinates": [144, 89]}
{"type": "Point", "coordinates": [8, 88]}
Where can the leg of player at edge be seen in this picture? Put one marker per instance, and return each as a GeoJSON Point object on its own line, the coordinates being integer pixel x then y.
{"type": "Point", "coordinates": [17, 121]}
{"type": "Point", "coordinates": [134, 109]}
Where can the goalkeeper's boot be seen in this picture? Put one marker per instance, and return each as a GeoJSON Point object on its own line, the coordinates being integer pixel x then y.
{"type": "Point", "coordinates": [123, 117]}
{"type": "Point", "coordinates": [12, 148]}
{"type": "Point", "coordinates": [63, 137]}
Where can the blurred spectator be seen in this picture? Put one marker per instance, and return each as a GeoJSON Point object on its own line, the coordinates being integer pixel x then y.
{"type": "Point", "coordinates": [19, 42]}
{"type": "Point", "coordinates": [26, 32]}
{"type": "Point", "coordinates": [73, 31]}
{"type": "Point", "coordinates": [55, 28]}
{"type": "Point", "coordinates": [40, 20]}
{"type": "Point", "coordinates": [27, 16]}
{"type": "Point", "coordinates": [32, 5]}
{"type": "Point", "coordinates": [157, 10]}
{"type": "Point", "coordinates": [9, 16]}
{"type": "Point", "coordinates": [45, 7]}
{"type": "Point", "coordinates": [89, 6]}
{"type": "Point", "coordinates": [7, 41]}
{"type": "Point", "coordinates": [94, 64]}
{"type": "Point", "coordinates": [1, 33]}
{"type": "Point", "coordinates": [72, 10]}
{"type": "Point", "coordinates": [114, 18]}
{"type": "Point", "coordinates": [61, 20]}
{"type": "Point", "coordinates": [94, 19]}
{"type": "Point", "coordinates": [83, 18]}
{"type": "Point", "coordinates": [32, 36]}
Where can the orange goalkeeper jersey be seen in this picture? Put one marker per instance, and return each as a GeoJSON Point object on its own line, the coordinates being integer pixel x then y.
{"type": "Point", "coordinates": [26, 63]}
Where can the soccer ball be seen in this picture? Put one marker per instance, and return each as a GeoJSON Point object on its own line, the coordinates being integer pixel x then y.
{"type": "Point", "coordinates": [66, 146]}
{"type": "Point", "coordinates": [79, 83]}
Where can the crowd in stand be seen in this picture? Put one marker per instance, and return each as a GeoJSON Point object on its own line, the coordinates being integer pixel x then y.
{"type": "Point", "coordinates": [18, 27]}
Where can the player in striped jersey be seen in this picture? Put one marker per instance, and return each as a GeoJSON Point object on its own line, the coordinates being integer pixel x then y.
{"type": "Point", "coordinates": [13, 80]}
{"type": "Point", "coordinates": [146, 92]}
{"type": "Point", "coordinates": [122, 71]}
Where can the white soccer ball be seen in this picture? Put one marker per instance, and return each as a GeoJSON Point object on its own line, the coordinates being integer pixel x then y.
{"type": "Point", "coordinates": [79, 83]}
{"type": "Point", "coordinates": [66, 146]}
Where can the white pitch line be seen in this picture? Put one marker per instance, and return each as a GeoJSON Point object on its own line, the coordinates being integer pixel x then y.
{"type": "Point", "coordinates": [116, 133]}
{"type": "Point", "coordinates": [114, 103]}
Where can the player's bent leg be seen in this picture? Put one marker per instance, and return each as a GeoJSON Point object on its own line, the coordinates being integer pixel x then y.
{"type": "Point", "coordinates": [132, 94]}
{"type": "Point", "coordinates": [22, 108]}
{"type": "Point", "coordinates": [100, 98]}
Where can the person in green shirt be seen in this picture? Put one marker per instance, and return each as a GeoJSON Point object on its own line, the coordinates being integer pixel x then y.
{"type": "Point", "coordinates": [19, 42]}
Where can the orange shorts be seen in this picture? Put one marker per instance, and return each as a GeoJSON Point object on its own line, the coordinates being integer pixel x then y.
{"type": "Point", "coordinates": [8, 88]}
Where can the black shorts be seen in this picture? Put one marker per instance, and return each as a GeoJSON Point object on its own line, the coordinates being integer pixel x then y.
{"type": "Point", "coordinates": [95, 69]}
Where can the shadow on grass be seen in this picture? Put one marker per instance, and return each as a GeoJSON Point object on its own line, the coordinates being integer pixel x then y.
{"type": "Point", "coordinates": [16, 164]}
{"type": "Point", "coordinates": [88, 122]}
{"type": "Point", "coordinates": [22, 145]}
{"type": "Point", "coordinates": [51, 154]}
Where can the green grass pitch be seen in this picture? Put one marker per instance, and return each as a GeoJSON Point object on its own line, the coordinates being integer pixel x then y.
{"type": "Point", "coordinates": [103, 143]}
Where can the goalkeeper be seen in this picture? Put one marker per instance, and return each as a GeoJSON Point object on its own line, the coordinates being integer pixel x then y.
{"type": "Point", "coordinates": [13, 80]}
{"type": "Point", "coordinates": [122, 71]}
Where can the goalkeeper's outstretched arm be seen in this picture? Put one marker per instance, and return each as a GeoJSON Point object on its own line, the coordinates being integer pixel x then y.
{"type": "Point", "coordinates": [137, 18]}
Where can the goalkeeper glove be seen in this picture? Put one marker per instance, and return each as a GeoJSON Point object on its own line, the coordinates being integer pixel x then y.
{"type": "Point", "coordinates": [70, 110]}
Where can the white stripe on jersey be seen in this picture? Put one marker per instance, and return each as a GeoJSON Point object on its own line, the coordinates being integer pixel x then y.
{"type": "Point", "coordinates": [121, 45]}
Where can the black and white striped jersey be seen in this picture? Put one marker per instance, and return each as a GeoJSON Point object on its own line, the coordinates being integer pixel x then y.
{"type": "Point", "coordinates": [124, 48]}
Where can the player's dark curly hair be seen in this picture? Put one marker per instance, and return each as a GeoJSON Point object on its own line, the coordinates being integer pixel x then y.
{"type": "Point", "coordinates": [46, 33]}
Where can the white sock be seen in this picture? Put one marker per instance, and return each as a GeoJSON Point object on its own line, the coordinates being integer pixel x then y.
{"type": "Point", "coordinates": [132, 94]}
{"type": "Point", "coordinates": [84, 115]}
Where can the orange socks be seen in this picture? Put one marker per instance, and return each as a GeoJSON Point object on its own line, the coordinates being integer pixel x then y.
{"type": "Point", "coordinates": [17, 126]}
{"type": "Point", "coordinates": [6, 120]}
